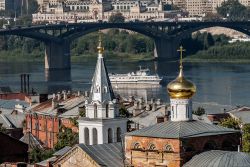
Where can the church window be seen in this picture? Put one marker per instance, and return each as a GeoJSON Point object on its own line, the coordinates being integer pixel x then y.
{"type": "Point", "coordinates": [168, 148]}
{"type": "Point", "coordinates": [107, 110]}
{"type": "Point", "coordinates": [95, 134]}
{"type": "Point", "coordinates": [95, 110]}
{"type": "Point", "coordinates": [136, 146]}
{"type": "Point", "coordinates": [151, 147]}
{"type": "Point", "coordinates": [118, 133]}
{"type": "Point", "coordinates": [86, 136]}
{"type": "Point", "coordinates": [110, 135]}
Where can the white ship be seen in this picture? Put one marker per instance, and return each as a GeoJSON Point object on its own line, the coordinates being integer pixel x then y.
{"type": "Point", "coordinates": [140, 78]}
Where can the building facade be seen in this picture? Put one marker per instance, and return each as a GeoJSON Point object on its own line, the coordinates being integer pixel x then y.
{"type": "Point", "coordinates": [91, 11]}
{"type": "Point", "coordinates": [46, 119]}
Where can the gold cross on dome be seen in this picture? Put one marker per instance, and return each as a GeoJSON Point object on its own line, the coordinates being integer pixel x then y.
{"type": "Point", "coordinates": [181, 50]}
{"type": "Point", "coordinates": [100, 48]}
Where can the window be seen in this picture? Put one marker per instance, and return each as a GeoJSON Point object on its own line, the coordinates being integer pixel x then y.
{"type": "Point", "coordinates": [107, 110]}
{"type": "Point", "coordinates": [110, 135]}
{"type": "Point", "coordinates": [95, 136]}
{"type": "Point", "coordinates": [86, 136]}
{"type": "Point", "coordinates": [136, 146]}
{"type": "Point", "coordinates": [151, 147]}
{"type": "Point", "coordinates": [95, 110]}
{"type": "Point", "coordinates": [168, 148]}
{"type": "Point", "coordinates": [118, 135]}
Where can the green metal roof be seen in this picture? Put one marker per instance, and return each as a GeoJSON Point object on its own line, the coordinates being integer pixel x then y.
{"type": "Point", "coordinates": [182, 129]}
{"type": "Point", "coordinates": [217, 158]}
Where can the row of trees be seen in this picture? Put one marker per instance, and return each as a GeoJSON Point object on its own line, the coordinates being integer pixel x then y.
{"type": "Point", "coordinates": [114, 41]}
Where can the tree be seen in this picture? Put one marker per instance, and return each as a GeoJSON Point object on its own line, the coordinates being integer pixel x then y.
{"type": "Point", "coordinates": [246, 138]}
{"type": "Point", "coordinates": [231, 123]}
{"type": "Point", "coordinates": [200, 111]}
{"type": "Point", "coordinates": [117, 18]}
{"type": "Point", "coordinates": [38, 154]}
{"type": "Point", "coordinates": [233, 10]}
{"type": "Point", "coordinates": [66, 137]}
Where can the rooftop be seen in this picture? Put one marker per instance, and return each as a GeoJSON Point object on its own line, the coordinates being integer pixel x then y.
{"type": "Point", "coordinates": [31, 140]}
{"type": "Point", "coordinates": [12, 120]}
{"type": "Point", "coordinates": [242, 113]}
{"type": "Point", "coordinates": [182, 129]}
{"type": "Point", "coordinates": [217, 158]}
{"type": "Point", "coordinates": [105, 154]}
{"type": "Point", "coordinates": [70, 105]}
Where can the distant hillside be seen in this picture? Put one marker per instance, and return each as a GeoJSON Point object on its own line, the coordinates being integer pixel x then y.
{"type": "Point", "coordinates": [220, 30]}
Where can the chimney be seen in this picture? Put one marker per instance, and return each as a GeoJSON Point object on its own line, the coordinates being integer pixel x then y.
{"type": "Point", "coordinates": [53, 96]}
{"type": "Point", "coordinates": [54, 103]}
{"type": "Point", "coordinates": [58, 96]}
{"type": "Point", "coordinates": [64, 95]}
{"type": "Point", "coordinates": [86, 94]}
{"type": "Point", "coordinates": [154, 107]}
{"type": "Point", "coordinates": [79, 93]}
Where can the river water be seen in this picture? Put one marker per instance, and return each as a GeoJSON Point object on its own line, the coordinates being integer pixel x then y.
{"type": "Point", "coordinates": [219, 85]}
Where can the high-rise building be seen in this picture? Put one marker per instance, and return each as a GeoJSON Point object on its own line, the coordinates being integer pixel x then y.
{"type": "Point", "coordinates": [102, 123]}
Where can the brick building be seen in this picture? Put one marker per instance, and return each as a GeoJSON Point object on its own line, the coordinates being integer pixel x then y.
{"type": "Point", "coordinates": [44, 120]}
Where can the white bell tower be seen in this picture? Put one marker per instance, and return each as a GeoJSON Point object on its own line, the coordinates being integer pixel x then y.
{"type": "Point", "coordinates": [102, 123]}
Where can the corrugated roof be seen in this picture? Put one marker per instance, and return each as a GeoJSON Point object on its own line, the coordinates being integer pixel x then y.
{"type": "Point", "coordinates": [10, 104]}
{"type": "Point", "coordinates": [31, 140]}
{"type": "Point", "coordinates": [109, 155]}
{"type": "Point", "coordinates": [45, 162]}
{"type": "Point", "coordinates": [242, 113]}
{"type": "Point", "coordinates": [183, 129]}
{"type": "Point", "coordinates": [70, 105]}
{"type": "Point", "coordinates": [62, 151]}
{"type": "Point", "coordinates": [16, 119]}
{"type": "Point", "coordinates": [217, 158]}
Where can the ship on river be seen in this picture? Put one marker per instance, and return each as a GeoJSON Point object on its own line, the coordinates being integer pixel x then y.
{"type": "Point", "coordinates": [140, 78]}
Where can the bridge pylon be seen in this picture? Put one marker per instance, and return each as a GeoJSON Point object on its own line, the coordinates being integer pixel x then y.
{"type": "Point", "coordinates": [57, 55]}
{"type": "Point", "coordinates": [165, 48]}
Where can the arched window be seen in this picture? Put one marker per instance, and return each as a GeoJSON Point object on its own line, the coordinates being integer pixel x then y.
{"type": "Point", "coordinates": [118, 135]}
{"type": "Point", "coordinates": [110, 135]}
{"type": "Point", "coordinates": [107, 110]}
{"type": "Point", "coordinates": [168, 148]}
{"type": "Point", "coordinates": [210, 145]}
{"type": "Point", "coordinates": [95, 110]}
{"type": "Point", "coordinates": [151, 147]}
{"type": "Point", "coordinates": [86, 136]}
{"type": "Point", "coordinates": [136, 146]}
{"type": "Point", "coordinates": [95, 137]}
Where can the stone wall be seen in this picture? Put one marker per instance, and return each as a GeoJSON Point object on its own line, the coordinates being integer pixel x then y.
{"type": "Point", "coordinates": [76, 158]}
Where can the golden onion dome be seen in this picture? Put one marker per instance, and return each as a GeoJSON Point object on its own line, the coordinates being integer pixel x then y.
{"type": "Point", "coordinates": [181, 88]}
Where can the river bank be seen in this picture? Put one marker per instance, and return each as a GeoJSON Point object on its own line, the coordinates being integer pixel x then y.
{"type": "Point", "coordinates": [10, 56]}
